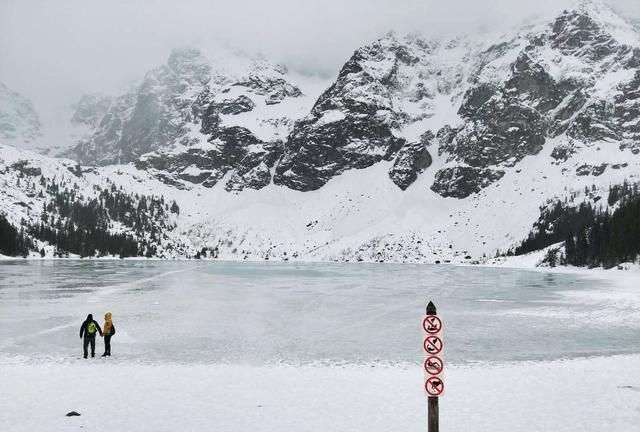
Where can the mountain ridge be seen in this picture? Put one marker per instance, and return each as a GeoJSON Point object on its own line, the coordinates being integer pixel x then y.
{"type": "Point", "coordinates": [420, 150]}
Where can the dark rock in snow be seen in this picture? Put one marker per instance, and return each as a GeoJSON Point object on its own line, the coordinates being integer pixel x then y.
{"type": "Point", "coordinates": [210, 120]}
{"type": "Point", "coordinates": [72, 414]}
{"type": "Point", "coordinates": [275, 90]}
{"type": "Point", "coordinates": [254, 170]}
{"type": "Point", "coordinates": [562, 152]}
{"type": "Point", "coordinates": [232, 149]}
{"type": "Point", "coordinates": [611, 120]}
{"type": "Point", "coordinates": [412, 159]}
{"type": "Point", "coordinates": [462, 181]}
{"type": "Point", "coordinates": [619, 166]}
{"type": "Point", "coordinates": [475, 97]}
{"type": "Point", "coordinates": [26, 167]}
{"type": "Point", "coordinates": [578, 34]}
{"type": "Point", "coordinates": [594, 170]}
{"type": "Point", "coordinates": [352, 124]}
{"type": "Point", "coordinates": [239, 105]}
{"type": "Point", "coordinates": [203, 164]}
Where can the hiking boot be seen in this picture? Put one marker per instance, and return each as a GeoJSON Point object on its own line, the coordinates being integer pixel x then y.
{"type": "Point", "coordinates": [104, 355]}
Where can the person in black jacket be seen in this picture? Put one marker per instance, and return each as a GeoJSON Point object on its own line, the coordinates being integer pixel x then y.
{"type": "Point", "coordinates": [88, 330]}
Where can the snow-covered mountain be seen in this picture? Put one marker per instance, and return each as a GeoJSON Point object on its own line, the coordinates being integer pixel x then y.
{"type": "Point", "coordinates": [419, 150]}
{"type": "Point", "coordinates": [19, 121]}
{"type": "Point", "coordinates": [193, 120]}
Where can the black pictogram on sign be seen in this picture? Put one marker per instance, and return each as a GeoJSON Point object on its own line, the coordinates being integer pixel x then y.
{"type": "Point", "coordinates": [434, 386]}
{"type": "Point", "coordinates": [433, 365]}
{"type": "Point", "coordinates": [432, 324]}
{"type": "Point", "coordinates": [432, 344]}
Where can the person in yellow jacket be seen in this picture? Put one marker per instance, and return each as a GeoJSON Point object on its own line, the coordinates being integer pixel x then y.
{"type": "Point", "coordinates": [109, 330]}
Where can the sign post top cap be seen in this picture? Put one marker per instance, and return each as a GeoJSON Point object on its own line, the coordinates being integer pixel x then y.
{"type": "Point", "coordinates": [431, 309]}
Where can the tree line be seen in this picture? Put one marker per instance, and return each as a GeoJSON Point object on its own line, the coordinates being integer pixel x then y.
{"type": "Point", "coordinates": [112, 223]}
{"type": "Point", "coordinates": [592, 236]}
{"type": "Point", "coordinates": [13, 242]}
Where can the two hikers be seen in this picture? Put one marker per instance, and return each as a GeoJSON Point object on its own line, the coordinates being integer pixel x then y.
{"type": "Point", "coordinates": [90, 328]}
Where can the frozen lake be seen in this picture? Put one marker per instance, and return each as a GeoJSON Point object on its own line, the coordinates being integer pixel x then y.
{"type": "Point", "coordinates": [271, 313]}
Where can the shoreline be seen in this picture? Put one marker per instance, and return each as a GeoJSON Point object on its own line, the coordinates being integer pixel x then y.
{"type": "Point", "coordinates": [627, 269]}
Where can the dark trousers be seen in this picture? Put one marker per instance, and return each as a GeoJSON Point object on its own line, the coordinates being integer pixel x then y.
{"type": "Point", "coordinates": [89, 340]}
{"type": "Point", "coordinates": [107, 344]}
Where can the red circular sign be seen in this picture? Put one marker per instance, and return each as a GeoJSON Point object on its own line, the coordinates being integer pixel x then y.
{"type": "Point", "coordinates": [433, 365]}
{"type": "Point", "coordinates": [432, 324]}
{"type": "Point", "coordinates": [432, 344]}
{"type": "Point", "coordinates": [434, 386]}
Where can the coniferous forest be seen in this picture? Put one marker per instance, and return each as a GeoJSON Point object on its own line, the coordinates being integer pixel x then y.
{"type": "Point", "coordinates": [112, 222]}
{"type": "Point", "coordinates": [593, 236]}
{"type": "Point", "coordinates": [12, 241]}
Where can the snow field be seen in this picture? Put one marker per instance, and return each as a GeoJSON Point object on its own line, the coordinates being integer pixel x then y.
{"type": "Point", "coordinates": [574, 395]}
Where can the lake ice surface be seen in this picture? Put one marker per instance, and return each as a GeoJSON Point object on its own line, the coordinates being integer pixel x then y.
{"type": "Point", "coordinates": [262, 313]}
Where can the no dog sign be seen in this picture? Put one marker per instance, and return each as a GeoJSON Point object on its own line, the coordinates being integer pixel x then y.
{"type": "Point", "coordinates": [434, 386]}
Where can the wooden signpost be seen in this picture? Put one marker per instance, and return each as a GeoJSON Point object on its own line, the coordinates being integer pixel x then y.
{"type": "Point", "coordinates": [433, 365]}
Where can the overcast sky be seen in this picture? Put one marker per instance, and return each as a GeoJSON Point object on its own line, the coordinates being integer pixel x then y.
{"type": "Point", "coordinates": [55, 50]}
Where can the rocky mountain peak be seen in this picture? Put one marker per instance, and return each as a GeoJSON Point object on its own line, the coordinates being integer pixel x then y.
{"type": "Point", "coordinates": [189, 64]}
{"type": "Point", "coordinates": [560, 84]}
{"type": "Point", "coordinates": [355, 123]}
{"type": "Point", "coordinates": [592, 30]}
{"type": "Point", "coordinates": [483, 105]}
{"type": "Point", "coordinates": [150, 117]}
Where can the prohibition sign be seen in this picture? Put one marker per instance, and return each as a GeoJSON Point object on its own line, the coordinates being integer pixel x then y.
{"type": "Point", "coordinates": [432, 324]}
{"type": "Point", "coordinates": [432, 344]}
{"type": "Point", "coordinates": [433, 365]}
{"type": "Point", "coordinates": [434, 386]}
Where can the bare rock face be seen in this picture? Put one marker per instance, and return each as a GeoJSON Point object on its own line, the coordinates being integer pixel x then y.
{"type": "Point", "coordinates": [576, 33]}
{"type": "Point", "coordinates": [150, 117]}
{"type": "Point", "coordinates": [180, 122]}
{"type": "Point", "coordinates": [612, 120]}
{"type": "Point", "coordinates": [352, 125]}
{"type": "Point", "coordinates": [412, 160]}
{"type": "Point", "coordinates": [254, 170]}
{"type": "Point", "coordinates": [594, 170]}
{"type": "Point", "coordinates": [500, 130]}
{"type": "Point", "coordinates": [275, 89]}
{"type": "Point", "coordinates": [573, 82]}
{"type": "Point", "coordinates": [462, 181]}
{"type": "Point", "coordinates": [239, 105]}
{"type": "Point", "coordinates": [511, 117]}
{"type": "Point", "coordinates": [206, 164]}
